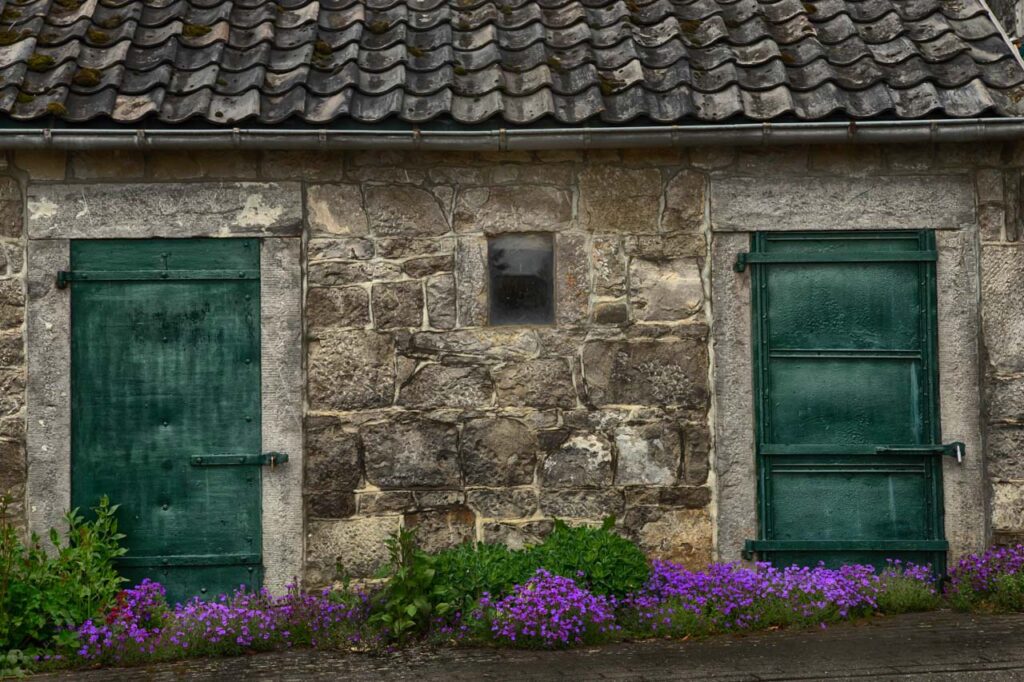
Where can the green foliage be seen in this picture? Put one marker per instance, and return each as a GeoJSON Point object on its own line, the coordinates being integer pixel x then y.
{"type": "Point", "coordinates": [411, 596]}
{"type": "Point", "coordinates": [1008, 594]}
{"type": "Point", "coordinates": [465, 572]}
{"type": "Point", "coordinates": [611, 564]}
{"type": "Point", "coordinates": [39, 593]}
{"type": "Point", "coordinates": [899, 594]}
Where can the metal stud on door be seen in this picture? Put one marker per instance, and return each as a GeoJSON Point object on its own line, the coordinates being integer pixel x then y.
{"type": "Point", "coordinates": [166, 404]}
{"type": "Point", "coordinates": [846, 381]}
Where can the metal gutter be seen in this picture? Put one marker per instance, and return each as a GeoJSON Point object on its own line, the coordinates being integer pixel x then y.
{"type": "Point", "coordinates": [743, 134]}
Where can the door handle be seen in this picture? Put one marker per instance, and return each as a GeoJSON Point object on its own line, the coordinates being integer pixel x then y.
{"type": "Point", "coordinates": [270, 459]}
{"type": "Point", "coordinates": [955, 449]}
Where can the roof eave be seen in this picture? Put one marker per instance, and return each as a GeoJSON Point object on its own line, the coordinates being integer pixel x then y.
{"type": "Point", "coordinates": [511, 139]}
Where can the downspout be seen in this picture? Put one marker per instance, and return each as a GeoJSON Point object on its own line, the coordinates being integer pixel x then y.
{"type": "Point", "coordinates": [511, 139]}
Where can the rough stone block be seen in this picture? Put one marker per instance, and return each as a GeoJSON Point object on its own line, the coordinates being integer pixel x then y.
{"type": "Point", "coordinates": [518, 535]}
{"type": "Point", "coordinates": [545, 382]}
{"type": "Point", "coordinates": [647, 455]}
{"type": "Point", "coordinates": [404, 210]}
{"type": "Point", "coordinates": [583, 460]}
{"type": "Point", "coordinates": [616, 199]}
{"type": "Point", "coordinates": [12, 466]}
{"type": "Point", "coordinates": [336, 209]}
{"type": "Point", "coordinates": [413, 453]}
{"type": "Point", "coordinates": [340, 273]}
{"type": "Point", "coordinates": [1006, 398]}
{"type": "Point", "coordinates": [12, 390]}
{"type": "Point", "coordinates": [138, 210]}
{"type": "Point", "coordinates": [685, 196]}
{"type": "Point", "coordinates": [332, 455]}
{"type": "Point", "coordinates": [42, 165]}
{"type": "Point", "coordinates": [436, 385]}
{"type": "Point", "coordinates": [425, 266]}
{"type": "Point", "coordinates": [1008, 506]}
{"type": "Point", "coordinates": [519, 208]}
{"type": "Point", "coordinates": [330, 504]}
{"type": "Point", "coordinates": [669, 290]}
{"type": "Point", "coordinates": [437, 530]}
{"type": "Point", "coordinates": [666, 247]}
{"type": "Point", "coordinates": [398, 304]}
{"type": "Point", "coordinates": [494, 344]}
{"type": "Point", "coordinates": [684, 536]}
{"type": "Point", "coordinates": [1002, 300]}
{"type": "Point", "coordinates": [356, 545]}
{"type": "Point", "coordinates": [572, 279]}
{"type": "Point", "coordinates": [114, 164]}
{"type": "Point", "coordinates": [12, 349]}
{"type": "Point", "coordinates": [498, 452]}
{"type": "Point", "coordinates": [611, 312]}
{"type": "Point", "coordinates": [593, 504]}
{"type": "Point", "coordinates": [336, 308]}
{"type": "Point", "coordinates": [696, 453]}
{"type": "Point", "coordinates": [341, 248]}
{"type": "Point", "coordinates": [351, 370]}
{"type": "Point", "coordinates": [663, 372]}
{"type": "Point", "coordinates": [440, 290]}
{"type": "Point", "coordinates": [386, 502]}
{"type": "Point", "coordinates": [608, 266]}
{"type": "Point", "coordinates": [12, 304]}
{"type": "Point", "coordinates": [786, 202]}
{"type": "Point", "coordinates": [1006, 453]}
{"type": "Point", "coordinates": [439, 499]}
{"type": "Point", "coordinates": [689, 497]}
{"type": "Point", "coordinates": [408, 247]}
{"type": "Point", "coordinates": [503, 503]}
{"type": "Point", "coordinates": [471, 275]}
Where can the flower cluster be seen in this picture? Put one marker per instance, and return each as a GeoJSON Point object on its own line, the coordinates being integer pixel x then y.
{"type": "Point", "coordinates": [549, 611]}
{"type": "Point", "coordinates": [141, 625]}
{"type": "Point", "coordinates": [730, 597]}
{"type": "Point", "coordinates": [979, 572]}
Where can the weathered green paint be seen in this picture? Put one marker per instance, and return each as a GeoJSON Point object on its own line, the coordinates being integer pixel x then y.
{"type": "Point", "coordinates": [845, 367]}
{"type": "Point", "coordinates": [164, 369]}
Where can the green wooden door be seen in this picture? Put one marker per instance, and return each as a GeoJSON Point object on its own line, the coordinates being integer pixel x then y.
{"type": "Point", "coordinates": [165, 383]}
{"type": "Point", "coordinates": [848, 452]}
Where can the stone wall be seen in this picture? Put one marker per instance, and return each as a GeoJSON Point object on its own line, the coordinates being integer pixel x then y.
{"type": "Point", "coordinates": [1002, 274]}
{"type": "Point", "coordinates": [12, 345]}
{"type": "Point", "coordinates": [420, 414]}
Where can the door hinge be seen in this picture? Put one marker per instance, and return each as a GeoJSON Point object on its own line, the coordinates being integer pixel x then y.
{"type": "Point", "coordinates": [266, 459]}
{"type": "Point", "coordinates": [741, 261]}
{"type": "Point", "coordinates": [956, 449]}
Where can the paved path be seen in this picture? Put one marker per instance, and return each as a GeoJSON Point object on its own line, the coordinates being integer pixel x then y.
{"type": "Point", "coordinates": [933, 646]}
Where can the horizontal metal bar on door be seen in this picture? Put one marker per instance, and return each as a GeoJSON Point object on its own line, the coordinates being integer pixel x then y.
{"type": "Point", "coordinates": [189, 560]}
{"type": "Point", "coordinates": [65, 276]}
{"type": "Point", "coordinates": [846, 353]}
{"type": "Point", "coordinates": [853, 545]}
{"type": "Point", "coordinates": [845, 469]}
{"type": "Point", "coordinates": [859, 449]}
{"type": "Point", "coordinates": [844, 257]}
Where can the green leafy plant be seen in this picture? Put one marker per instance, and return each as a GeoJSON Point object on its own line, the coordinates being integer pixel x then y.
{"type": "Point", "coordinates": [611, 564]}
{"type": "Point", "coordinates": [466, 572]}
{"type": "Point", "coordinates": [42, 594]}
{"type": "Point", "coordinates": [411, 596]}
{"type": "Point", "coordinates": [1008, 594]}
{"type": "Point", "coordinates": [902, 594]}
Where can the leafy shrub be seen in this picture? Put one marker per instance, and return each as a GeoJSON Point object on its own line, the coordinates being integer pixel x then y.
{"type": "Point", "coordinates": [41, 596]}
{"type": "Point", "coordinates": [976, 577]}
{"type": "Point", "coordinates": [611, 564]}
{"type": "Point", "coordinates": [411, 596]}
{"type": "Point", "coordinates": [466, 572]}
{"type": "Point", "coordinates": [907, 588]}
{"type": "Point", "coordinates": [1008, 593]}
{"type": "Point", "coordinates": [547, 611]}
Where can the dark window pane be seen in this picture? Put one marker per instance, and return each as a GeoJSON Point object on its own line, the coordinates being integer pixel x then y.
{"type": "Point", "coordinates": [522, 283]}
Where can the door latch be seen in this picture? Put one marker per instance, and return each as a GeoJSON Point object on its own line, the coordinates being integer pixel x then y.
{"type": "Point", "coordinates": [271, 459]}
{"type": "Point", "coordinates": [955, 449]}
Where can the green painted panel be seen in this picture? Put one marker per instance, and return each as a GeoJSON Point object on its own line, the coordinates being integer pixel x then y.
{"type": "Point", "coordinates": [847, 400]}
{"type": "Point", "coordinates": [845, 361]}
{"type": "Point", "coordinates": [163, 371]}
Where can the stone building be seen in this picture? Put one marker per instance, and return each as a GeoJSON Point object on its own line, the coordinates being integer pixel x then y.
{"type": "Point", "coordinates": [744, 275]}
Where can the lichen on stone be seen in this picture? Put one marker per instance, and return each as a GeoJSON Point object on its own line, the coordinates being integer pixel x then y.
{"type": "Point", "coordinates": [322, 48]}
{"type": "Point", "coordinates": [11, 37]}
{"type": "Point", "coordinates": [94, 35]}
{"type": "Point", "coordinates": [25, 97]}
{"type": "Point", "coordinates": [195, 30]}
{"type": "Point", "coordinates": [40, 62]}
{"type": "Point", "coordinates": [113, 21]}
{"type": "Point", "coordinates": [86, 77]}
{"type": "Point", "coordinates": [379, 26]}
{"type": "Point", "coordinates": [459, 70]}
{"type": "Point", "coordinates": [56, 109]}
{"type": "Point", "coordinates": [68, 4]}
{"type": "Point", "coordinates": [10, 13]}
{"type": "Point", "coordinates": [416, 51]}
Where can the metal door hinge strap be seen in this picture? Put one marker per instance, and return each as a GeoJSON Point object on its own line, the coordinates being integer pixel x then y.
{"type": "Point", "coordinates": [265, 459]}
{"type": "Point", "coordinates": [189, 560]}
{"type": "Point", "coordinates": [750, 547]}
{"type": "Point", "coordinates": [744, 258]}
{"type": "Point", "coordinates": [955, 449]}
{"type": "Point", "coordinates": [66, 276]}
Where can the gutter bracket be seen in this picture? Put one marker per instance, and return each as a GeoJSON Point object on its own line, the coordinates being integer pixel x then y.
{"type": "Point", "coordinates": [140, 137]}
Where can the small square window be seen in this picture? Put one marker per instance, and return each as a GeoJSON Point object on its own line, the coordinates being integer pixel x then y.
{"type": "Point", "coordinates": [521, 279]}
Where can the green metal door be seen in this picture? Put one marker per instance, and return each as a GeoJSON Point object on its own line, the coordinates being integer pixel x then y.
{"type": "Point", "coordinates": [165, 404]}
{"type": "Point", "coordinates": [846, 395]}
